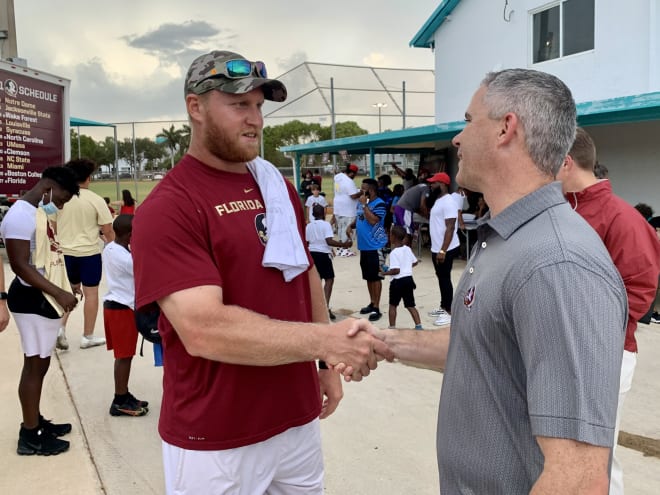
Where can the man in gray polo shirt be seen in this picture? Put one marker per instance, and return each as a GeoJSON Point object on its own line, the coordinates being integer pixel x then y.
{"type": "Point", "coordinates": [532, 366]}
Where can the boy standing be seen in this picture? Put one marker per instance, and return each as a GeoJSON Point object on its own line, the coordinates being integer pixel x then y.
{"type": "Point", "coordinates": [118, 316]}
{"type": "Point", "coordinates": [319, 236]}
{"type": "Point", "coordinates": [315, 199]}
{"type": "Point", "coordinates": [402, 286]}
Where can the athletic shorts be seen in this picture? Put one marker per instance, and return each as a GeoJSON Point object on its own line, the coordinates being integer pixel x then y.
{"type": "Point", "coordinates": [402, 288]}
{"type": "Point", "coordinates": [84, 269]}
{"type": "Point", "coordinates": [290, 463]}
{"type": "Point", "coordinates": [370, 262]}
{"type": "Point", "coordinates": [36, 320]}
{"type": "Point", "coordinates": [38, 334]}
{"type": "Point", "coordinates": [323, 263]}
{"type": "Point", "coordinates": [121, 335]}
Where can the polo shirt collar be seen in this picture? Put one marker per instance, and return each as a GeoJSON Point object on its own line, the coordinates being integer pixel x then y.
{"type": "Point", "coordinates": [526, 208]}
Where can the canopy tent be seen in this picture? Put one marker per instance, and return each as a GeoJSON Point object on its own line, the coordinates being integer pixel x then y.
{"type": "Point", "coordinates": [78, 122]}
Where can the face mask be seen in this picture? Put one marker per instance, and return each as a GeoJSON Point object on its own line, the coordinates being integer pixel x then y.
{"type": "Point", "coordinates": [49, 208]}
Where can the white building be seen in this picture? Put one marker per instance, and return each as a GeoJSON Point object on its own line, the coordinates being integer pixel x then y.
{"type": "Point", "coordinates": [606, 51]}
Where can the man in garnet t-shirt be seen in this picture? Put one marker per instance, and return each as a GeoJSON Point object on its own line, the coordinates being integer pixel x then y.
{"type": "Point", "coordinates": [241, 392]}
{"type": "Point", "coordinates": [215, 237]}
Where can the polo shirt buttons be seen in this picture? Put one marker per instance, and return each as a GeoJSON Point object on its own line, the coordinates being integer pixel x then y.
{"type": "Point", "coordinates": [471, 269]}
{"type": "Point", "coordinates": [484, 244]}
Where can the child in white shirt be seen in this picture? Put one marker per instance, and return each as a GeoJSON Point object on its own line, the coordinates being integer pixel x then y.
{"type": "Point", "coordinates": [315, 199]}
{"type": "Point", "coordinates": [319, 236]}
{"type": "Point", "coordinates": [402, 286]}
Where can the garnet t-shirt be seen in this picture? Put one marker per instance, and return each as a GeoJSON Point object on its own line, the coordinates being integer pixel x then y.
{"type": "Point", "coordinates": [201, 226]}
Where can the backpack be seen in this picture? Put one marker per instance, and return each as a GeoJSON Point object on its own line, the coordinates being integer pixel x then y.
{"type": "Point", "coordinates": [146, 321]}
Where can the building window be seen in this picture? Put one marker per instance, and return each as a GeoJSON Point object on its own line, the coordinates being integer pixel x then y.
{"type": "Point", "coordinates": [562, 29]}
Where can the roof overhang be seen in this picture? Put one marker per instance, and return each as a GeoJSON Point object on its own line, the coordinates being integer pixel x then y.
{"type": "Point", "coordinates": [411, 140]}
{"type": "Point", "coordinates": [424, 37]}
{"type": "Point", "coordinates": [625, 109]}
{"type": "Point", "coordinates": [621, 110]}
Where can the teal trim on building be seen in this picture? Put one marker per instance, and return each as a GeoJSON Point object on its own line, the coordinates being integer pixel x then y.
{"type": "Point", "coordinates": [621, 110]}
{"type": "Point", "coordinates": [424, 37]}
{"type": "Point", "coordinates": [625, 109]}
{"type": "Point", "coordinates": [401, 141]}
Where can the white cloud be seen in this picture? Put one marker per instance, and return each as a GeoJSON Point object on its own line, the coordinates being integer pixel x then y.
{"type": "Point", "coordinates": [127, 59]}
{"type": "Point", "coordinates": [375, 60]}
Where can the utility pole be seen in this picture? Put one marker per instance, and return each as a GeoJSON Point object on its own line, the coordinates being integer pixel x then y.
{"type": "Point", "coordinates": [8, 48]}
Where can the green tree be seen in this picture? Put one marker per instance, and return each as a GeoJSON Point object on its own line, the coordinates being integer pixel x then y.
{"type": "Point", "coordinates": [146, 150]}
{"type": "Point", "coordinates": [185, 138]}
{"type": "Point", "coordinates": [90, 149]}
{"type": "Point", "coordinates": [152, 152]}
{"type": "Point", "coordinates": [290, 133]}
{"type": "Point", "coordinates": [297, 132]}
{"type": "Point", "coordinates": [107, 153]}
{"type": "Point", "coordinates": [342, 130]}
{"type": "Point", "coordinates": [172, 139]}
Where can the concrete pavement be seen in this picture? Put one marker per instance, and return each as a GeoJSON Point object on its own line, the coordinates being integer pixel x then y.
{"type": "Point", "coordinates": [381, 440]}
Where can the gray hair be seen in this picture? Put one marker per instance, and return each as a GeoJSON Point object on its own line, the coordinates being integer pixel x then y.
{"type": "Point", "coordinates": [545, 107]}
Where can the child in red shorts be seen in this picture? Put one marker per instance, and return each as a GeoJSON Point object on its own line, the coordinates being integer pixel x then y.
{"type": "Point", "coordinates": [118, 316]}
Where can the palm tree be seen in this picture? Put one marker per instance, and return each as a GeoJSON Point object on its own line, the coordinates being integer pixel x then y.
{"type": "Point", "coordinates": [172, 138]}
{"type": "Point", "coordinates": [185, 137]}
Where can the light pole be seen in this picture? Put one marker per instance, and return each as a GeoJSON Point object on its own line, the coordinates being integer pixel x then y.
{"type": "Point", "coordinates": [380, 107]}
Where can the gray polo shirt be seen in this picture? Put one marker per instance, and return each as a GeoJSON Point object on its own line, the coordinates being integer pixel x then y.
{"type": "Point", "coordinates": [537, 332]}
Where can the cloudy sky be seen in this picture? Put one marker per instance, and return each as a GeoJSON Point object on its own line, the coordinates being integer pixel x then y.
{"type": "Point", "coordinates": [127, 59]}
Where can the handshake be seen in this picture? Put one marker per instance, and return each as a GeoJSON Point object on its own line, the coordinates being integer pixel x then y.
{"type": "Point", "coordinates": [354, 347]}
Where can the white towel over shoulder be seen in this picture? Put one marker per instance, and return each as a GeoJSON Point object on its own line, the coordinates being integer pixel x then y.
{"type": "Point", "coordinates": [284, 249]}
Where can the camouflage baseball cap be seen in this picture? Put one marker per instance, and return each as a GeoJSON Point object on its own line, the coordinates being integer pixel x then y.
{"type": "Point", "coordinates": [209, 72]}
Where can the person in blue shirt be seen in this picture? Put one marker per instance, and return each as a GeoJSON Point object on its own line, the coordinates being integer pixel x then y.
{"type": "Point", "coordinates": [371, 239]}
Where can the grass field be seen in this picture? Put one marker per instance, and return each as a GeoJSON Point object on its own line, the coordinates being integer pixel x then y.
{"type": "Point", "coordinates": [109, 187]}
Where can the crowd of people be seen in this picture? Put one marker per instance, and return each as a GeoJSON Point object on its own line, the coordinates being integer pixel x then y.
{"type": "Point", "coordinates": [58, 236]}
{"type": "Point", "coordinates": [541, 351]}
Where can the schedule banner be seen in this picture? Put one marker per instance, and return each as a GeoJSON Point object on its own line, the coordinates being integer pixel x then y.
{"type": "Point", "coordinates": [31, 130]}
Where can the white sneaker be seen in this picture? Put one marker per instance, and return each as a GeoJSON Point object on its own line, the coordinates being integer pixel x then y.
{"type": "Point", "coordinates": [437, 312]}
{"type": "Point", "coordinates": [91, 341]}
{"type": "Point", "coordinates": [61, 342]}
{"type": "Point", "coordinates": [349, 253]}
{"type": "Point", "coordinates": [444, 318]}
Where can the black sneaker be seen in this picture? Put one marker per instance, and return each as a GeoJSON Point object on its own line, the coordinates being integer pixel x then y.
{"type": "Point", "coordinates": [375, 315]}
{"type": "Point", "coordinates": [55, 429]}
{"type": "Point", "coordinates": [367, 309]}
{"type": "Point", "coordinates": [331, 315]}
{"type": "Point", "coordinates": [655, 317]}
{"type": "Point", "coordinates": [39, 442]}
{"type": "Point", "coordinates": [130, 408]}
{"type": "Point", "coordinates": [140, 403]}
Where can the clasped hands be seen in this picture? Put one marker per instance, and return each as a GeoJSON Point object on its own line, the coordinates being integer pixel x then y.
{"type": "Point", "coordinates": [356, 348]}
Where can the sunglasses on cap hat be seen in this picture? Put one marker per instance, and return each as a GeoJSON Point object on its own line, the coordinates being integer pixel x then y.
{"type": "Point", "coordinates": [236, 69]}
{"type": "Point", "coordinates": [232, 73]}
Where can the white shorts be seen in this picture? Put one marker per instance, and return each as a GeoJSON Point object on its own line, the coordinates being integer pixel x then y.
{"type": "Point", "coordinates": [290, 463]}
{"type": "Point", "coordinates": [38, 334]}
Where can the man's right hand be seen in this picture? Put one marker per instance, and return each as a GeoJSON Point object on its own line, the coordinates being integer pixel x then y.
{"type": "Point", "coordinates": [352, 343]}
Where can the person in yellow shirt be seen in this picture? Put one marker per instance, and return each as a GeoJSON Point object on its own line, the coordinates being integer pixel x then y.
{"type": "Point", "coordinates": [78, 225]}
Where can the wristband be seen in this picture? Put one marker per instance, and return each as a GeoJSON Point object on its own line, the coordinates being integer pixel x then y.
{"type": "Point", "coordinates": [322, 365]}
